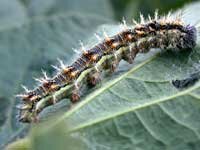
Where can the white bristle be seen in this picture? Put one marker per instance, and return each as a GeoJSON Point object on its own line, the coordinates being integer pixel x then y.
{"type": "Point", "coordinates": [76, 51]}
{"type": "Point", "coordinates": [105, 34]}
{"type": "Point", "coordinates": [55, 67]}
{"type": "Point", "coordinates": [142, 21]}
{"type": "Point", "coordinates": [25, 88]}
{"type": "Point", "coordinates": [98, 37]}
{"type": "Point", "coordinates": [169, 16]}
{"type": "Point", "coordinates": [124, 24]}
{"type": "Point", "coordinates": [135, 22]}
{"type": "Point", "coordinates": [156, 15]}
{"type": "Point", "coordinates": [45, 74]}
{"type": "Point", "coordinates": [38, 80]}
{"type": "Point", "coordinates": [83, 49]}
{"type": "Point", "coordinates": [62, 65]}
{"type": "Point", "coordinates": [20, 95]}
{"type": "Point", "coordinates": [150, 19]}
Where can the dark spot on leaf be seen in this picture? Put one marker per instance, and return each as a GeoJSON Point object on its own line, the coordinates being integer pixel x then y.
{"type": "Point", "coordinates": [187, 82]}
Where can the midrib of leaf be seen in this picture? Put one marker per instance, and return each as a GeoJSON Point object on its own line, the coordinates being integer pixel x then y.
{"type": "Point", "coordinates": [143, 104]}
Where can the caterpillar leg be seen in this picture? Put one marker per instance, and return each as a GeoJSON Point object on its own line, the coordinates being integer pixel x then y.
{"type": "Point", "coordinates": [28, 117]}
{"type": "Point", "coordinates": [35, 119]}
{"type": "Point", "coordinates": [94, 78]}
{"type": "Point", "coordinates": [130, 54]}
{"type": "Point", "coordinates": [114, 66]}
{"type": "Point", "coordinates": [75, 96]}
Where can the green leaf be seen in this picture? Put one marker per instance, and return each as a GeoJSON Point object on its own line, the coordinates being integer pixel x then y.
{"type": "Point", "coordinates": [49, 7]}
{"type": "Point", "coordinates": [12, 13]}
{"type": "Point", "coordinates": [136, 108]}
{"type": "Point", "coordinates": [19, 145]}
{"type": "Point", "coordinates": [130, 8]}
{"type": "Point", "coordinates": [55, 139]}
{"type": "Point", "coordinates": [139, 108]}
{"type": "Point", "coordinates": [26, 49]}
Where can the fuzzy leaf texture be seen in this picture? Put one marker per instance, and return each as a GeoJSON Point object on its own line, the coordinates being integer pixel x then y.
{"type": "Point", "coordinates": [136, 108]}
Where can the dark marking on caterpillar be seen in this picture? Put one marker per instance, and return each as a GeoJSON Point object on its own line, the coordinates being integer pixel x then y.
{"type": "Point", "coordinates": [164, 33]}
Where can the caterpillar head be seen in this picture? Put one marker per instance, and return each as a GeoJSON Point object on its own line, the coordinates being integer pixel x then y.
{"type": "Point", "coordinates": [190, 37]}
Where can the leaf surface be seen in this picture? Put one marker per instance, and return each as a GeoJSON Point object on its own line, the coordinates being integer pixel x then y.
{"type": "Point", "coordinates": [140, 108]}
{"type": "Point", "coordinates": [30, 47]}
{"type": "Point", "coordinates": [136, 108]}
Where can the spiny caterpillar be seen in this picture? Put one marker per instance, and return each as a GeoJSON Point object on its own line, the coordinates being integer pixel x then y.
{"type": "Point", "coordinates": [166, 33]}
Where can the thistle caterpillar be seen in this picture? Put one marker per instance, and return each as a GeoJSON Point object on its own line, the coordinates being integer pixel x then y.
{"type": "Point", "coordinates": [167, 32]}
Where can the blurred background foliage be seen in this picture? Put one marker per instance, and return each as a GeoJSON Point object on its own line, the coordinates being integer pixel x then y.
{"type": "Point", "coordinates": [16, 13]}
{"type": "Point", "coordinates": [132, 8]}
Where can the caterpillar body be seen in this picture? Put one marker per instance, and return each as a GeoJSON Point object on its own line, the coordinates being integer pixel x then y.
{"type": "Point", "coordinates": [167, 32]}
